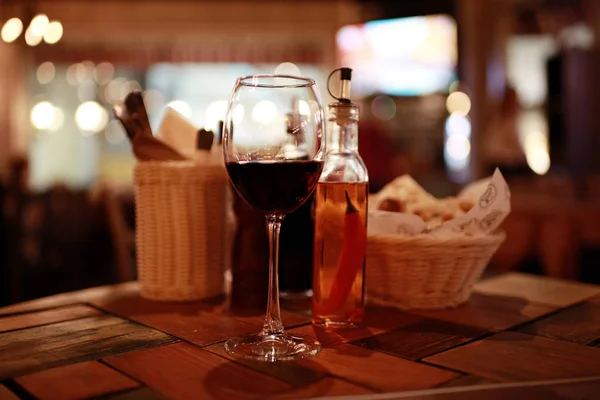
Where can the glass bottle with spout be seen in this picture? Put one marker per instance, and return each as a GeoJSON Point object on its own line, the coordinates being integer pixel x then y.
{"type": "Point", "coordinates": [340, 216]}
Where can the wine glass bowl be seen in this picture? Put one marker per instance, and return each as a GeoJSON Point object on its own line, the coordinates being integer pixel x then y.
{"type": "Point", "coordinates": [272, 146]}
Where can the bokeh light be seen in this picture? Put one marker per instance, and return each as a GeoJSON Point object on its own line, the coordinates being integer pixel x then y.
{"type": "Point", "coordinates": [536, 152]}
{"type": "Point", "coordinates": [103, 73]}
{"type": "Point", "coordinates": [538, 160]}
{"type": "Point", "coordinates": [457, 145]}
{"type": "Point", "coordinates": [383, 107]}
{"type": "Point", "coordinates": [91, 117]}
{"type": "Point", "coordinates": [215, 112]}
{"type": "Point", "coordinates": [114, 132]}
{"type": "Point", "coordinates": [39, 24]}
{"type": "Point", "coordinates": [112, 92]}
{"type": "Point", "coordinates": [72, 73]}
{"type": "Point", "coordinates": [54, 32]}
{"type": "Point", "coordinates": [86, 71]}
{"type": "Point", "coordinates": [45, 72]}
{"type": "Point", "coordinates": [287, 68]}
{"type": "Point", "coordinates": [31, 38]}
{"type": "Point", "coordinates": [42, 115]}
{"type": "Point", "coordinates": [128, 87]}
{"type": "Point", "coordinates": [264, 112]}
{"type": "Point", "coordinates": [457, 124]}
{"type": "Point", "coordinates": [11, 30]}
{"type": "Point", "coordinates": [303, 107]}
{"type": "Point", "coordinates": [238, 114]}
{"type": "Point", "coordinates": [458, 103]}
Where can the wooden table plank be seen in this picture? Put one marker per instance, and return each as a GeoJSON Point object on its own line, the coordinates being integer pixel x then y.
{"type": "Point", "coordinates": [577, 324]}
{"type": "Point", "coordinates": [377, 320]}
{"type": "Point", "coordinates": [183, 371]}
{"type": "Point", "coordinates": [72, 298]}
{"type": "Point", "coordinates": [378, 357]}
{"type": "Point", "coordinates": [136, 394]}
{"type": "Point", "coordinates": [491, 312]}
{"type": "Point", "coordinates": [513, 356]}
{"type": "Point", "coordinates": [325, 387]}
{"type": "Point", "coordinates": [293, 373]}
{"type": "Point", "coordinates": [202, 323]}
{"type": "Point", "coordinates": [20, 321]}
{"type": "Point", "coordinates": [382, 319]}
{"type": "Point", "coordinates": [377, 370]}
{"type": "Point", "coordinates": [6, 394]}
{"type": "Point", "coordinates": [77, 381]}
{"type": "Point", "coordinates": [467, 380]}
{"type": "Point", "coordinates": [538, 289]}
{"type": "Point", "coordinates": [422, 339]}
{"type": "Point", "coordinates": [330, 338]}
{"type": "Point", "coordinates": [576, 389]}
{"type": "Point", "coordinates": [34, 349]}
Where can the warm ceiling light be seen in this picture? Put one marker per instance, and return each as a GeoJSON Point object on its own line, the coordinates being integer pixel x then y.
{"type": "Point", "coordinates": [287, 68]}
{"type": "Point", "coordinates": [458, 103]}
{"type": "Point", "coordinates": [264, 112]}
{"type": "Point", "coordinates": [31, 38]}
{"type": "Point", "coordinates": [39, 24]}
{"type": "Point", "coordinates": [91, 117]}
{"type": "Point", "coordinates": [53, 33]}
{"type": "Point", "coordinates": [12, 29]}
{"type": "Point", "coordinates": [42, 115]}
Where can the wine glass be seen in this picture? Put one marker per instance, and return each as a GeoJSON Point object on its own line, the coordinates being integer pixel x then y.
{"type": "Point", "coordinates": [274, 158]}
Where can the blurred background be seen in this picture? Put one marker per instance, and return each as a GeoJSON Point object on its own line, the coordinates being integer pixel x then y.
{"type": "Point", "coordinates": [449, 89]}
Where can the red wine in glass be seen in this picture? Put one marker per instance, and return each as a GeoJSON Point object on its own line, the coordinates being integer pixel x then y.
{"type": "Point", "coordinates": [275, 187]}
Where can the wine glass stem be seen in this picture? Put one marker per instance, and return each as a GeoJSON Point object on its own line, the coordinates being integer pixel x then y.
{"type": "Point", "coordinates": [273, 324]}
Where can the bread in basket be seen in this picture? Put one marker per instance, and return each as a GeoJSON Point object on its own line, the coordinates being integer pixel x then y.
{"type": "Point", "coordinates": [426, 253]}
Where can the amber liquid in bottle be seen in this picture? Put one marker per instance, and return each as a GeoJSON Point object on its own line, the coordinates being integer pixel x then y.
{"type": "Point", "coordinates": [339, 253]}
{"type": "Point", "coordinates": [340, 211]}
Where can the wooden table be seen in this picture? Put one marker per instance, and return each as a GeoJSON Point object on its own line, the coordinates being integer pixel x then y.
{"type": "Point", "coordinates": [520, 336]}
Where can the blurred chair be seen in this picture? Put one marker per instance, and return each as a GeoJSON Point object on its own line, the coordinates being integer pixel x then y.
{"type": "Point", "coordinates": [542, 226]}
{"type": "Point", "coordinates": [558, 244]}
{"type": "Point", "coordinates": [123, 235]}
{"type": "Point", "coordinates": [556, 220]}
{"type": "Point", "coordinates": [588, 215]}
{"type": "Point", "coordinates": [519, 245]}
{"type": "Point", "coordinates": [59, 241]}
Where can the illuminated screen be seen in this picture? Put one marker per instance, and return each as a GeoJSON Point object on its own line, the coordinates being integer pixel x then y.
{"type": "Point", "coordinates": [403, 57]}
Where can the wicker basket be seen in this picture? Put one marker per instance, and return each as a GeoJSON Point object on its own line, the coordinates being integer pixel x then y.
{"type": "Point", "coordinates": [181, 209]}
{"type": "Point", "coordinates": [425, 271]}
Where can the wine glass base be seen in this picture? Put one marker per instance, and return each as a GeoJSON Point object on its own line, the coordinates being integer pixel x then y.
{"type": "Point", "coordinates": [282, 347]}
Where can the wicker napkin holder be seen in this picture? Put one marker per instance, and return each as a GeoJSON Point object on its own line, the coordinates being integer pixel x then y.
{"type": "Point", "coordinates": [181, 209]}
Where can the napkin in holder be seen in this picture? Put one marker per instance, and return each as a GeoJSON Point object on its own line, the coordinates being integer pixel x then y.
{"type": "Point", "coordinates": [181, 209]}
